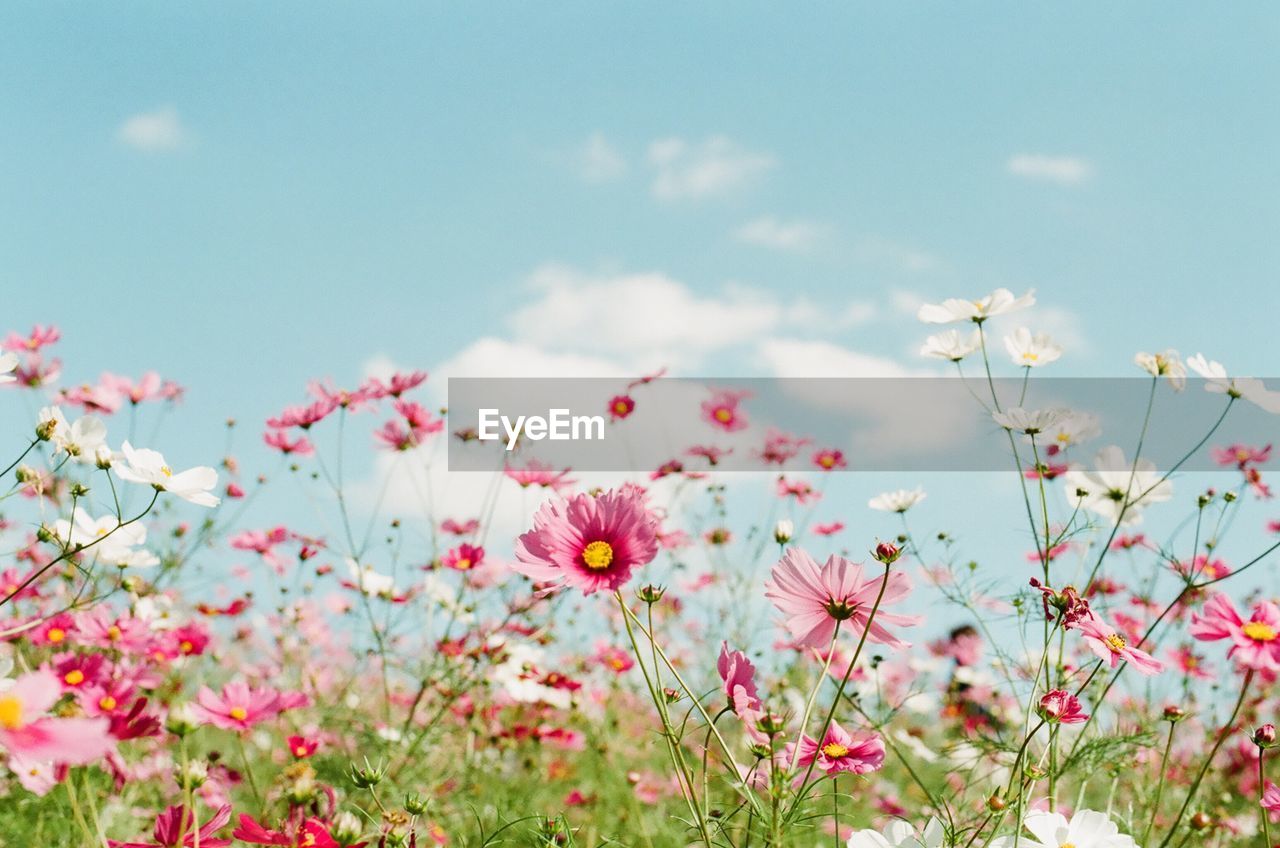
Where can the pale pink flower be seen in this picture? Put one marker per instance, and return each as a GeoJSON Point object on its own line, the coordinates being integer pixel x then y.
{"type": "Point", "coordinates": [27, 732]}
{"type": "Point", "coordinates": [239, 707]}
{"type": "Point", "coordinates": [813, 599]}
{"type": "Point", "coordinates": [859, 752]}
{"type": "Point", "coordinates": [1110, 646]}
{"type": "Point", "coordinates": [739, 677]}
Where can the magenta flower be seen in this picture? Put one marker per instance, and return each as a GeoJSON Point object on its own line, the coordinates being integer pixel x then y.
{"type": "Point", "coordinates": [856, 753]}
{"type": "Point", "coordinates": [174, 829]}
{"type": "Point", "coordinates": [27, 732]}
{"type": "Point", "coordinates": [592, 543]}
{"type": "Point", "coordinates": [739, 677]}
{"type": "Point", "coordinates": [1109, 645]}
{"type": "Point", "coordinates": [813, 600]}
{"type": "Point", "coordinates": [1271, 798]}
{"type": "Point", "coordinates": [1061, 707]}
{"type": "Point", "coordinates": [238, 707]}
{"type": "Point", "coordinates": [1255, 643]}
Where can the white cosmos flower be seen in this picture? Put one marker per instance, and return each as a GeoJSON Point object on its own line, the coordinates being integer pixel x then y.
{"type": "Point", "coordinates": [8, 364]}
{"type": "Point", "coordinates": [1105, 488]}
{"type": "Point", "coordinates": [1029, 421]}
{"type": "Point", "coordinates": [899, 834]}
{"type": "Point", "coordinates": [370, 581]}
{"type": "Point", "coordinates": [148, 467]}
{"type": "Point", "coordinates": [112, 542]}
{"type": "Point", "coordinates": [1072, 429]}
{"type": "Point", "coordinates": [1030, 351]}
{"type": "Point", "coordinates": [954, 309]}
{"type": "Point", "coordinates": [899, 501]}
{"type": "Point", "coordinates": [951, 345]}
{"type": "Point", "coordinates": [1249, 388]}
{"type": "Point", "coordinates": [519, 676]}
{"type": "Point", "coordinates": [1167, 364]}
{"type": "Point", "coordinates": [80, 440]}
{"type": "Point", "coordinates": [1086, 829]}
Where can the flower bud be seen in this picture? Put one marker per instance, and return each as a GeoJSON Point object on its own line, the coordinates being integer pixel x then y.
{"type": "Point", "coordinates": [415, 804]}
{"type": "Point", "coordinates": [1201, 821]}
{"type": "Point", "coordinates": [346, 827]}
{"type": "Point", "coordinates": [367, 777]}
{"type": "Point", "coordinates": [192, 775]}
{"type": "Point", "coordinates": [651, 594]}
{"type": "Point", "coordinates": [671, 695]}
{"type": "Point", "coordinates": [181, 720]}
{"type": "Point", "coordinates": [783, 531]}
{"type": "Point", "coordinates": [887, 553]}
{"type": "Point", "coordinates": [1174, 713]}
{"type": "Point", "coordinates": [1265, 736]}
{"type": "Point", "coordinates": [995, 803]}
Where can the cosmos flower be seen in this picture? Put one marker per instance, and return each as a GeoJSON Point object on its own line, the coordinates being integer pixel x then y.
{"type": "Point", "coordinates": [739, 678]}
{"type": "Point", "coordinates": [112, 542]}
{"type": "Point", "coordinates": [591, 543]}
{"type": "Point", "coordinates": [1085, 829]}
{"type": "Point", "coordinates": [1109, 645]}
{"type": "Point", "coordinates": [900, 834]}
{"type": "Point", "coordinates": [1061, 707]}
{"type": "Point", "coordinates": [174, 829]}
{"type": "Point", "coordinates": [999, 302]}
{"type": "Point", "coordinates": [897, 501]}
{"type": "Point", "coordinates": [951, 345]}
{"type": "Point", "coordinates": [8, 364]}
{"type": "Point", "coordinates": [1255, 643]}
{"type": "Point", "coordinates": [723, 411]}
{"type": "Point", "coordinates": [1165, 364]}
{"type": "Point", "coordinates": [148, 467]}
{"type": "Point", "coordinates": [1113, 482]}
{"type": "Point", "coordinates": [238, 707]}
{"type": "Point", "coordinates": [27, 731]}
{"type": "Point", "coordinates": [1249, 388]}
{"type": "Point", "coordinates": [1029, 421]}
{"type": "Point", "coordinates": [1031, 351]}
{"type": "Point", "coordinates": [813, 599]}
{"type": "Point", "coordinates": [841, 751]}
{"type": "Point", "coordinates": [80, 440]}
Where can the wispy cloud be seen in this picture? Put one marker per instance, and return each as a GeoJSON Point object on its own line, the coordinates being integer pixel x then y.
{"type": "Point", "coordinates": [780, 235]}
{"type": "Point", "coordinates": [687, 170]}
{"type": "Point", "coordinates": [159, 131]}
{"type": "Point", "coordinates": [598, 161]}
{"type": "Point", "coordinates": [1064, 170]}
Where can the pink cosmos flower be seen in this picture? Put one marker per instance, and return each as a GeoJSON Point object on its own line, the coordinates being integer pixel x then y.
{"type": "Point", "coordinates": [829, 459]}
{"type": "Point", "coordinates": [174, 830]}
{"type": "Point", "coordinates": [1109, 645]}
{"type": "Point", "coordinates": [798, 489]}
{"type": "Point", "coordinates": [1189, 663]}
{"type": "Point", "coordinates": [239, 707]}
{"type": "Point", "coordinates": [829, 529]}
{"type": "Point", "coordinates": [722, 411]}
{"type": "Point", "coordinates": [1271, 798]}
{"type": "Point", "coordinates": [592, 543]}
{"type": "Point", "coordinates": [39, 337]}
{"type": "Point", "coordinates": [780, 447]}
{"type": "Point", "coordinates": [1255, 643]}
{"type": "Point", "coordinates": [739, 677]}
{"type": "Point", "coordinates": [1241, 455]}
{"type": "Point", "coordinates": [463, 558]}
{"type": "Point", "coordinates": [620, 406]}
{"type": "Point", "coordinates": [813, 599]}
{"type": "Point", "coordinates": [614, 658]}
{"type": "Point", "coordinates": [460, 528]}
{"type": "Point", "coordinates": [26, 732]}
{"type": "Point", "coordinates": [279, 440]}
{"type": "Point", "coordinates": [840, 751]}
{"type": "Point", "coordinates": [1061, 707]}
{"type": "Point", "coordinates": [540, 474]}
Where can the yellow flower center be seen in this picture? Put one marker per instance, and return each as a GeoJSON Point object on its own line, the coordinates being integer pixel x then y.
{"type": "Point", "coordinates": [186, 647]}
{"type": "Point", "coordinates": [1115, 642]}
{"type": "Point", "coordinates": [300, 751]}
{"type": "Point", "coordinates": [834, 750]}
{"type": "Point", "coordinates": [1067, 845]}
{"type": "Point", "coordinates": [56, 635]}
{"type": "Point", "coordinates": [620, 407]}
{"type": "Point", "coordinates": [238, 713]}
{"type": "Point", "coordinates": [1260, 631]}
{"type": "Point", "coordinates": [166, 471]}
{"type": "Point", "coordinates": [462, 564]}
{"type": "Point", "coordinates": [107, 702]}
{"type": "Point", "coordinates": [597, 555]}
{"type": "Point", "coordinates": [724, 415]}
{"type": "Point", "coordinates": [10, 713]}
{"type": "Point", "coordinates": [113, 633]}
{"type": "Point", "coordinates": [74, 677]}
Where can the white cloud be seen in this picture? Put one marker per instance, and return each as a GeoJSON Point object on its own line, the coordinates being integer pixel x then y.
{"type": "Point", "coordinates": [153, 132]}
{"type": "Point", "coordinates": [645, 319]}
{"type": "Point", "coordinates": [1064, 170]}
{"type": "Point", "coordinates": [780, 235]}
{"type": "Point", "coordinates": [598, 161]}
{"type": "Point", "coordinates": [806, 358]}
{"type": "Point", "coordinates": [688, 170]}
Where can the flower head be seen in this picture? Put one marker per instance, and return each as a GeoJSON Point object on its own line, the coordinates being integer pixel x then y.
{"type": "Point", "coordinates": [589, 542]}
{"type": "Point", "coordinates": [841, 751]}
{"type": "Point", "coordinates": [1031, 351]}
{"type": "Point", "coordinates": [815, 599]}
{"type": "Point", "coordinates": [1255, 643]}
{"type": "Point", "coordinates": [148, 467]}
{"type": "Point", "coordinates": [1061, 707]}
{"type": "Point", "coordinates": [1085, 829]}
{"type": "Point", "coordinates": [954, 309]}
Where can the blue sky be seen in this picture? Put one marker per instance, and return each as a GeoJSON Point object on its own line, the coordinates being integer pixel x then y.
{"type": "Point", "coordinates": [247, 195]}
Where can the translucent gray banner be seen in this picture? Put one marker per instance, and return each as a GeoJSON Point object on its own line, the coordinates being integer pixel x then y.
{"type": "Point", "coordinates": [912, 424]}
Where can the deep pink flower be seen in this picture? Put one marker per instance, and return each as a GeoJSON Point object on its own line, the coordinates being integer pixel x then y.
{"type": "Point", "coordinates": [614, 658]}
{"type": "Point", "coordinates": [857, 753]}
{"type": "Point", "coordinates": [174, 830]}
{"type": "Point", "coordinates": [463, 558]}
{"type": "Point", "coordinates": [25, 730]}
{"type": "Point", "coordinates": [592, 543]}
{"type": "Point", "coordinates": [1255, 643]}
{"type": "Point", "coordinates": [829, 459]}
{"type": "Point", "coordinates": [1109, 645]}
{"type": "Point", "coordinates": [739, 677]}
{"type": "Point", "coordinates": [813, 599]}
{"type": "Point", "coordinates": [1191, 664]}
{"type": "Point", "coordinates": [1241, 455]}
{"type": "Point", "coordinates": [1061, 707]}
{"type": "Point", "coordinates": [722, 411]}
{"type": "Point", "coordinates": [620, 406]}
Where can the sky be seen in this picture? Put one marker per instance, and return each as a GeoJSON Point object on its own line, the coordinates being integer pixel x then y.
{"type": "Point", "coordinates": [245, 196]}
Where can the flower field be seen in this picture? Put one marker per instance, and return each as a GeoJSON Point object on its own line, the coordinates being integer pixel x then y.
{"type": "Point", "coordinates": [649, 659]}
